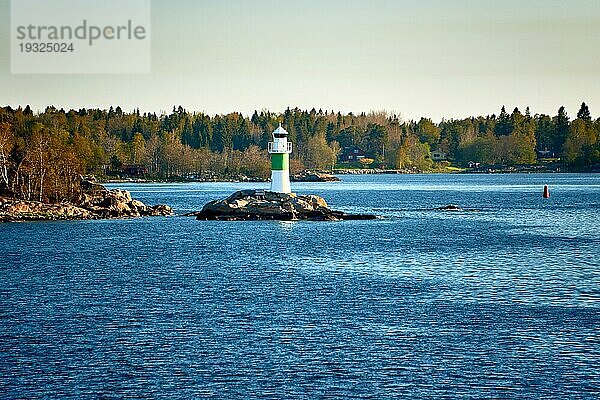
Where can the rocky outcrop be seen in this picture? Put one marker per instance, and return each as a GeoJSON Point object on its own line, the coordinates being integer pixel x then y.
{"type": "Point", "coordinates": [309, 176]}
{"type": "Point", "coordinates": [23, 210]}
{"type": "Point", "coordinates": [96, 202]}
{"type": "Point", "coordinates": [118, 203]}
{"type": "Point", "coordinates": [264, 205]}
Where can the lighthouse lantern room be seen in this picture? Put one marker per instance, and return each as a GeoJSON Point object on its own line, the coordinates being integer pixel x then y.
{"type": "Point", "coordinates": [280, 150]}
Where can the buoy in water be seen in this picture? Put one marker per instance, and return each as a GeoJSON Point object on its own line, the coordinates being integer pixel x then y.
{"type": "Point", "coordinates": [546, 192]}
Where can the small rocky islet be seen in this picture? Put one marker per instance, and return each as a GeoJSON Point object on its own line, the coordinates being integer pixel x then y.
{"type": "Point", "coordinates": [255, 205]}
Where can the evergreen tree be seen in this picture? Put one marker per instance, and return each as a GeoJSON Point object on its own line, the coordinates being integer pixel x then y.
{"type": "Point", "coordinates": [504, 126]}
{"type": "Point", "coordinates": [376, 136]}
{"type": "Point", "coordinates": [517, 122]}
{"type": "Point", "coordinates": [187, 135]}
{"type": "Point", "coordinates": [203, 131]}
{"type": "Point", "coordinates": [545, 133]}
{"type": "Point", "coordinates": [584, 113]}
{"type": "Point", "coordinates": [241, 139]}
{"type": "Point", "coordinates": [331, 132]}
{"type": "Point", "coordinates": [428, 131]}
{"type": "Point", "coordinates": [561, 129]}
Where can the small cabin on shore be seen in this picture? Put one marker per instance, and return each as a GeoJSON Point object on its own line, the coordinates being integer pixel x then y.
{"type": "Point", "coordinates": [546, 154]}
{"type": "Point", "coordinates": [134, 169]}
{"type": "Point", "coordinates": [438, 156]}
{"type": "Point", "coordinates": [352, 154]}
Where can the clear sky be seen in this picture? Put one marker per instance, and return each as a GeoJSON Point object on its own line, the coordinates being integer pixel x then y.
{"type": "Point", "coordinates": [437, 59]}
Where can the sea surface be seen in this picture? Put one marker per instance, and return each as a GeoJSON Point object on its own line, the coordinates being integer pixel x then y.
{"type": "Point", "coordinates": [501, 300]}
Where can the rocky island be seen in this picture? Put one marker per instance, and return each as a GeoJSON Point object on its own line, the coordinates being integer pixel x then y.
{"type": "Point", "coordinates": [256, 205]}
{"type": "Point", "coordinates": [95, 202]}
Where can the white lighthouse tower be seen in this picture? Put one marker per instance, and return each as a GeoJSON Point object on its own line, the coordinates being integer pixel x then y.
{"type": "Point", "coordinates": [280, 150]}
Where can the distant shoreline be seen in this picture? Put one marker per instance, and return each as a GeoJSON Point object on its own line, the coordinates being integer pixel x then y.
{"type": "Point", "coordinates": [369, 171]}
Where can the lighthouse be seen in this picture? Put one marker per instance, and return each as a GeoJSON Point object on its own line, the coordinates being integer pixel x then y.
{"type": "Point", "coordinates": [280, 150]}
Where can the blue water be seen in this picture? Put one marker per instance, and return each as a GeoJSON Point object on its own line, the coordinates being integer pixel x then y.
{"type": "Point", "coordinates": [499, 302]}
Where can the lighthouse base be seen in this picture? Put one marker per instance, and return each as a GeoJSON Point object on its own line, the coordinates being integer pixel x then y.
{"type": "Point", "coordinates": [280, 181]}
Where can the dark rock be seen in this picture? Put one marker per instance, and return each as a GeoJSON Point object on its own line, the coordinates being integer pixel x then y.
{"type": "Point", "coordinates": [452, 207]}
{"type": "Point", "coordinates": [308, 176]}
{"type": "Point", "coordinates": [255, 205]}
{"type": "Point", "coordinates": [449, 207]}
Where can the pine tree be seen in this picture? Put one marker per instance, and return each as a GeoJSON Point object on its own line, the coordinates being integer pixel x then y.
{"type": "Point", "coordinates": [561, 123]}
{"type": "Point", "coordinates": [187, 135]}
{"type": "Point", "coordinates": [203, 130]}
{"type": "Point", "coordinates": [504, 126]}
{"type": "Point", "coordinates": [584, 113]}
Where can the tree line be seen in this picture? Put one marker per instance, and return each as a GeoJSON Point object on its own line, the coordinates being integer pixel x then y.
{"type": "Point", "coordinates": [43, 155]}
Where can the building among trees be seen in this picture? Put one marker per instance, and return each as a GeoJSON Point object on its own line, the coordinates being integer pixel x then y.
{"type": "Point", "coordinates": [438, 156]}
{"type": "Point", "coordinates": [352, 154]}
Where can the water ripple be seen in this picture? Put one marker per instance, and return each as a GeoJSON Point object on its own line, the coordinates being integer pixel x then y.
{"type": "Point", "coordinates": [500, 303]}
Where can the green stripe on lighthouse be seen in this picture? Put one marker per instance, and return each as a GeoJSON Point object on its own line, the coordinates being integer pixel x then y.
{"type": "Point", "coordinates": [280, 161]}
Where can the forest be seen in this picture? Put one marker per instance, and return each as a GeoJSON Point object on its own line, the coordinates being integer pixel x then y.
{"type": "Point", "coordinates": [43, 155]}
